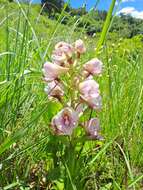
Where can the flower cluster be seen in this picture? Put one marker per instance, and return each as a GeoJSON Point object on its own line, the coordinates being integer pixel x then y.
{"type": "Point", "coordinates": [73, 84]}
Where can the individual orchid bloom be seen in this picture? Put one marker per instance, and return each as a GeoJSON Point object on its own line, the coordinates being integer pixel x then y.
{"type": "Point", "coordinates": [59, 57]}
{"type": "Point", "coordinates": [92, 128]}
{"type": "Point", "coordinates": [90, 93]}
{"type": "Point", "coordinates": [93, 67]}
{"type": "Point", "coordinates": [65, 121]}
{"type": "Point", "coordinates": [88, 87]}
{"type": "Point", "coordinates": [53, 71]}
{"type": "Point", "coordinates": [54, 89]}
{"type": "Point", "coordinates": [79, 46]}
{"type": "Point", "coordinates": [66, 48]}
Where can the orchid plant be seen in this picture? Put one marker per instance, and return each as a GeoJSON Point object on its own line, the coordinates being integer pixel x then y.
{"type": "Point", "coordinates": [73, 85]}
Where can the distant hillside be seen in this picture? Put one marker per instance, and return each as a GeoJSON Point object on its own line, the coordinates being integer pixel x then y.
{"type": "Point", "coordinates": [75, 22]}
{"type": "Point", "coordinates": [125, 25]}
{"type": "Point", "coordinates": [92, 22]}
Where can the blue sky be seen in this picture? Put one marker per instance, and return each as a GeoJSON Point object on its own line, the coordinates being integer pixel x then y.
{"type": "Point", "coordinates": [133, 7]}
{"type": "Point", "coordinates": [104, 4]}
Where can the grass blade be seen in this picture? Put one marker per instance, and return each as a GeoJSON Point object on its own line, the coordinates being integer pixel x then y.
{"type": "Point", "coordinates": [106, 26]}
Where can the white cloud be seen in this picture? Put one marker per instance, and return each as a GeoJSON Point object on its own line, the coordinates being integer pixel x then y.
{"type": "Point", "coordinates": [131, 11]}
{"type": "Point", "coordinates": [127, 10]}
{"type": "Point", "coordinates": [124, 1]}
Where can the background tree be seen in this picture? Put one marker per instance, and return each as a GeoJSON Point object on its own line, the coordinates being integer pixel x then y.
{"type": "Point", "coordinates": [52, 6]}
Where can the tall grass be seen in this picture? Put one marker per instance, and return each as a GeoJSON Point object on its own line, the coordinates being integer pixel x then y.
{"type": "Point", "coordinates": [30, 156]}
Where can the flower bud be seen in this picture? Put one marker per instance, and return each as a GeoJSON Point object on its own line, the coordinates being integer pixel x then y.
{"type": "Point", "coordinates": [79, 46]}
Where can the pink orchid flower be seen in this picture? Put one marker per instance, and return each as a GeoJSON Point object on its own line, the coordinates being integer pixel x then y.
{"type": "Point", "coordinates": [66, 48]}
{"type": "Point", "coordinates": [59, 57]}
{"type": "Point", "coordinates": [94, 66]}
{"type": "Point", "coordinates": [65, 121]}
{"type": "Point", "coordinates": [90, 93]}
{"type": "Point", "coordinates": [54, 89]}
{"type": "Point", "coordinates": [93, 129]}
{"type": "Point", "coordinates": [79, 46]}
{"type": "Point", "coordinates": [53, 71]}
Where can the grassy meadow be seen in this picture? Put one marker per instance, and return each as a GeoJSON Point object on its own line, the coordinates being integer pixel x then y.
{"type": "Point", "coordinates": [31, 157]}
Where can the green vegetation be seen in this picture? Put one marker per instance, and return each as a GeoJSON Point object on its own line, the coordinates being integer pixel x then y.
{"type": "Point", "coordinates": [124, 25]}
{"type": "Point", "coordinates": [52, 6]}
{"type": "Point", "coordinates": [30, 156]}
